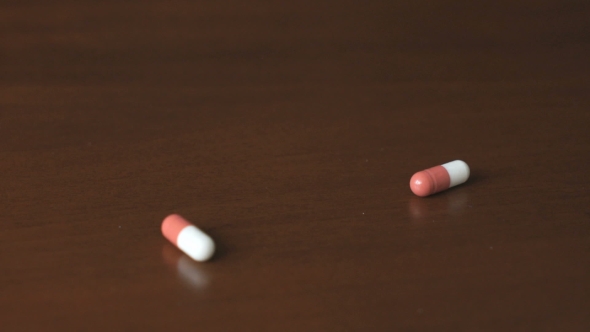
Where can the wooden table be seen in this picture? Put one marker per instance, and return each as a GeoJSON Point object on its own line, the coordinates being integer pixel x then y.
{"type": "Point", "coordinates": [288, 132]}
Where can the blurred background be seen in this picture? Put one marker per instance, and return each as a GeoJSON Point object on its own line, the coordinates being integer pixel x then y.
{"type": "Point", "coordinates": [288, 131]}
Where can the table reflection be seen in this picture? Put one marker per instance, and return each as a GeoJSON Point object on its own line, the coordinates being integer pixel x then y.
{"type": "Point", "coordinates": [192, 274]}
{"type": "Point", "coordinates": [444, 204]}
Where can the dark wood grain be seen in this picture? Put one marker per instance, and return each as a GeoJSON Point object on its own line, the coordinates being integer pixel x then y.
{"type": "Point", "coordinates": [289, 132]}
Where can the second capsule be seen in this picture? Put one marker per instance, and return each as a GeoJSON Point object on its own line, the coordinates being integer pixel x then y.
{"type": "Point", "coordinates": [439, 178]}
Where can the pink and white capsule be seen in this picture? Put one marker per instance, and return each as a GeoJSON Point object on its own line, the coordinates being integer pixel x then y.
{"type": "Point", "coordinates": [188, 238]}
{"type": "Point", "coordinates": [439, 178]}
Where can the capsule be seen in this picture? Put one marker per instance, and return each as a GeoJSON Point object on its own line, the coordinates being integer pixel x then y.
{"type": "Point", "coordinates": [188, 238]}
{"type": "Point", "coordinates": [439, 178]}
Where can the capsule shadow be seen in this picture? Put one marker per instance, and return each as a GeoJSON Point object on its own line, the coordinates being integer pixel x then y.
{"type": "Point", "coordinates": [476, 176]}
{"type": "Point", "coordinates": [221, 249]}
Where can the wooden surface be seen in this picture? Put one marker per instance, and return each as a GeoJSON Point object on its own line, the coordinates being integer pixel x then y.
{"type": "Point", "coordinates": [289, 131]}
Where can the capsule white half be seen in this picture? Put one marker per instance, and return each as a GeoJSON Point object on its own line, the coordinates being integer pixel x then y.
{"type": "Point", "coordinates": [458, 172]}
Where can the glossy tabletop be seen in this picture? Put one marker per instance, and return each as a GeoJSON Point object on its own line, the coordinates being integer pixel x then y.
{"type": "Point", "coordinates": [288, 131]}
